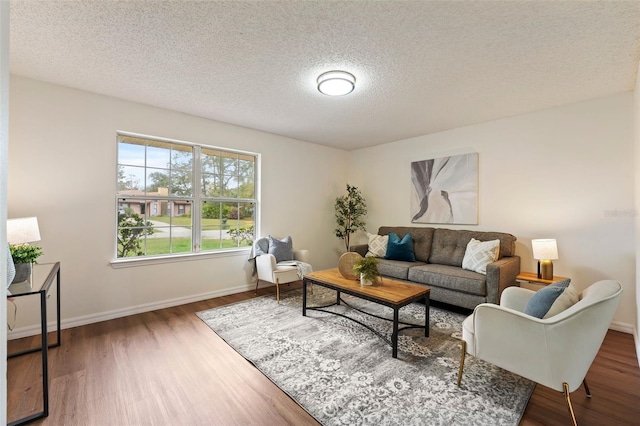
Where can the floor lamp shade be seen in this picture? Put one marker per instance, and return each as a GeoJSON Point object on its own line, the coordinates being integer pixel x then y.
{"type": "Point", "coordinates": [545, 250]}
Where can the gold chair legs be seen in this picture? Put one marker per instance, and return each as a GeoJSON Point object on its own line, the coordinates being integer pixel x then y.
{"type": "Point", "coordinates": [565, 392]}
{"type": "Point", "coordinates": [278, 290]}
{"type": "Point", "coordinates": [462, 356]}
{"type": "Point", "coordinates": [565, 386]}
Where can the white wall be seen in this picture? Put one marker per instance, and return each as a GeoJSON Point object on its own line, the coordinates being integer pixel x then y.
{"type": "Point", "coordinates": [636, 99]}
{"type": "Point", "coordinates": [62, 156]}
{"type": "Point", "coordinates": [549, 174]}
{"type": "Point", "coordinates": [4, 139]}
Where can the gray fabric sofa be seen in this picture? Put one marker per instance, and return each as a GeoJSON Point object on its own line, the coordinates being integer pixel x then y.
{"type": "Point", "coordinates": [439, 253]}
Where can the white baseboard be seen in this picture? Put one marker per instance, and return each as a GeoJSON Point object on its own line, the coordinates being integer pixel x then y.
{"type": "Point", "coordinates": [622, 327]}
{"type": "Point", "coordinates": [33, 330]}
{"type": "Point", "coordinates": [637, 342]}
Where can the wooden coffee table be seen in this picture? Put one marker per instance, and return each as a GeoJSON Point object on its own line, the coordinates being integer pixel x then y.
{"type": "Point", "coordinates": [391, 293]}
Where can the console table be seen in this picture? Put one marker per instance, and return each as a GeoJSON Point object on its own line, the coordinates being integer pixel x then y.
{"type": "Point", "coordinates": [40, 283]}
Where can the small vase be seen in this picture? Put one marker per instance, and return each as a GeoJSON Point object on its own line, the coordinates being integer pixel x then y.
{"type": "Point", "coordinates": [23, 271]}
{"type": "Point", "coordinates": [364, 281]}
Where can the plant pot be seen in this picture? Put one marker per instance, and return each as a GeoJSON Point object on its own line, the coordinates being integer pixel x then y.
{"type": "Point", "coordinates": [23, 272]}
{"type": "Point", "coordinates": [364, 281]}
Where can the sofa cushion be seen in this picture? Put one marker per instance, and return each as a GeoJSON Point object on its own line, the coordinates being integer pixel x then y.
{"type": "Point", "coordinates": [449, 245]}
{"type": "Point", "coordinates": [479, 254]}
{"type": "Point", "coordinates": [422, 238]}
{"type": "Point", "coordinates": [396, 268]}
{"type": "Point", "coordinates": [377, 245]}
{"type": "Point", "coordinates": [400, 249]}
{"type": "Point", "coordinates": [451, 277]}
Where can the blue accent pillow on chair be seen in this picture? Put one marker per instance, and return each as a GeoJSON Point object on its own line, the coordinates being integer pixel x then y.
{"type": "Point", "coordinates": [551, 300]}
{"type": "Point", "coordinates": [281, 249]}
{"type": "Point", "coordinates": [400, 249]}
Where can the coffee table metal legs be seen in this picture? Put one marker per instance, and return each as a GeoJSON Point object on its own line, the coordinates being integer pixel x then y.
{"type": "Point", "coordinates": [304, 297]}
{"type": "Point", "coordinates": [394, 335]}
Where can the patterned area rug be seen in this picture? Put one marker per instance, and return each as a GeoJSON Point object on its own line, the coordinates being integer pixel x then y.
{"type": "Point", "coordinates": [343, 374]}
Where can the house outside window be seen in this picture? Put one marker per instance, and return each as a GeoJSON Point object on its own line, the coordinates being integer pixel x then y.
{"type": "Point", "coordinates": [175, 197]}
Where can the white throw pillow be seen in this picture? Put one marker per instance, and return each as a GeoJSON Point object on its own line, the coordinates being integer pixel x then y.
{"type": "Point", "coordinates": [377, 245]}
{"type": "Point", "coordinates": [479, 254]}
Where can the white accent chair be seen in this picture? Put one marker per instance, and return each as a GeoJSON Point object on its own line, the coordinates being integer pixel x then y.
{"type": "Point", "coordinates": [555, 352]}
{"type": "Point", "coordinates": [278, 273]}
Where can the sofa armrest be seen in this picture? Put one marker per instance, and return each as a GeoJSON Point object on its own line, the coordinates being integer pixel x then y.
{"type": "Point", "coordinates": [361, 249]}
{"type": "Point", "coordinates": [501, 274]}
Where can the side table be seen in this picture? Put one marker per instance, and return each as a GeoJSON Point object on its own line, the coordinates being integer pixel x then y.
{"type": "Point", "coordinates": [531, 281]}
{"type": "Point", "coordinates": [40, 283]}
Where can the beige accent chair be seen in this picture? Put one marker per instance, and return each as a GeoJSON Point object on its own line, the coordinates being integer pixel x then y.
{"type": "Point", "coordinates": [555, 352]}
{"type": "Point", "coordinates": [278, 273]}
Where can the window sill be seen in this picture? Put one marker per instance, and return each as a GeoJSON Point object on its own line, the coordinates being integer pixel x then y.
{"type": "Point", "coordinates": [186, 257]}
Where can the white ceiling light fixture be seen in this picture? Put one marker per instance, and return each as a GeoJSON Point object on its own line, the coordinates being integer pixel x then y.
{"type": "Point", "coordinates": [336, 83]}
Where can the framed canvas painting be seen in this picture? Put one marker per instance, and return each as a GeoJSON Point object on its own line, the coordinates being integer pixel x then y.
{"type": "Point", "coordinates": [445, 190]}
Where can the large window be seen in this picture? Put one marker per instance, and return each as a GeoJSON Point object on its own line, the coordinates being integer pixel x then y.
{"type": "Point", "coordinates": [173, 197]}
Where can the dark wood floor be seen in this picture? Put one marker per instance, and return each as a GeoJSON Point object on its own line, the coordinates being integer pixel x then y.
{"type": "Point", "coordinates": [168, 368]}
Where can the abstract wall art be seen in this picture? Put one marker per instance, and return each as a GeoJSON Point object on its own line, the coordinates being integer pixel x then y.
{"type": "Point", "coordinates": [445, 190]}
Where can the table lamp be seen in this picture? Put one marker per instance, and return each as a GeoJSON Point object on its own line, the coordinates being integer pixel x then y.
{"type": "Point", "coordinates": [545, 250]}
{"type": "Point", "coordinates": [23, 230]}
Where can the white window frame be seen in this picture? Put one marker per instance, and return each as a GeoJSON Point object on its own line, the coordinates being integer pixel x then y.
{"type": "Point", "coordinates": [196, 203]}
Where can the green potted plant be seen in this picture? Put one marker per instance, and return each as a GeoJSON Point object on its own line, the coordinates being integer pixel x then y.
{"type": "Point", "coordinates": [367, 267]}
{"type": "Point", "coordinates": [350, 210]}
{"type": "Point", "coordinates": [24, 255]}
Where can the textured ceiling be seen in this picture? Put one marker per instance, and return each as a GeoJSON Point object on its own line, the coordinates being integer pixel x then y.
{"type": "Point", "coordinates": [421, 67]}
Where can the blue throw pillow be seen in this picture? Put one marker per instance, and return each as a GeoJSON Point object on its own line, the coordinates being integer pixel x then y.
{"type": "Point", "coordinates": [400, 249]}
{"type": "Point", "coordinates": [281, 249]}
{"type": "Point", "coordinates": [541, 302]}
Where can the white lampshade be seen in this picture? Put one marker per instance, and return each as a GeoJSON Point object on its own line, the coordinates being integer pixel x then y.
{"type": "Point", "coordinates": [544, 249]}
{"type": "Point", "coordinates": [336, 83]}
{"type": "Point", "coordinates": [23, 230]}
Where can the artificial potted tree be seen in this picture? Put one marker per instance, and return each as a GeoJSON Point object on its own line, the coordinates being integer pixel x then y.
{"type": "Point", "coordinates": [24, 256]}
{"type": "Point", "coordinates": [367, 268]}
{"type": "Point", "coordinates": [350, 209]}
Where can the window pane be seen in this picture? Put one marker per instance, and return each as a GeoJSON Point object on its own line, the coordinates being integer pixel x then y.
{"type": "Point", "coordinates": [210, 161]}
{"type": "Point", "coordinates": [132, 229]}
{"type": "Point", "coordinates": [246, 176]}
{"type": "Point", "coordinates": [157, 182]}
{"type": "Point", "coordinates": [210, 185]}
{"type": "Point", "coordinates": [230, 185]}
{"type": "Point", "coordinates": [241, 224]}
{"type": "Point", "coordinates": [181, 171]}
{"type": "Point", "coordinates": [171, 223]}
{"type": "Point", "coordinates": [131, 154]}
{"type": "Point", "coordinates": [211, 226]}
{"type": "Point", "coordinates": [158, 155]}
{"type": "Point", "coordinates": [130, 179]}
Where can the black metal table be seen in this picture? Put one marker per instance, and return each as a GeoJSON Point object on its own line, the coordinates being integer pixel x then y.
{"type": "Point", "coordinates": [40, 283]}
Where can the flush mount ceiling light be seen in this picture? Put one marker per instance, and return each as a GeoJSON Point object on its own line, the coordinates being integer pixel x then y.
{"type": "Point", "coordinates": [336, 83]}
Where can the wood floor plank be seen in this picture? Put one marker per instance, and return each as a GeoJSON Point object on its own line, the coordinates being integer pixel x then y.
{"type": "Point", "coordinates": [167, 367]}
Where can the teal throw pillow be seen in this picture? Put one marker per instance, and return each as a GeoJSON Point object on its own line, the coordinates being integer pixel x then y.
{"type": "Point", "coordinates": [542, 303]}
{"type": "Point", "coordinates": [400, 249]}
{"type": "Point", "coordinates": [281, 249]}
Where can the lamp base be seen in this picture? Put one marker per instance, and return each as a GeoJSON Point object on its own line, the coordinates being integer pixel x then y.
{"type": "Point", "coordinates": [545, 269]}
